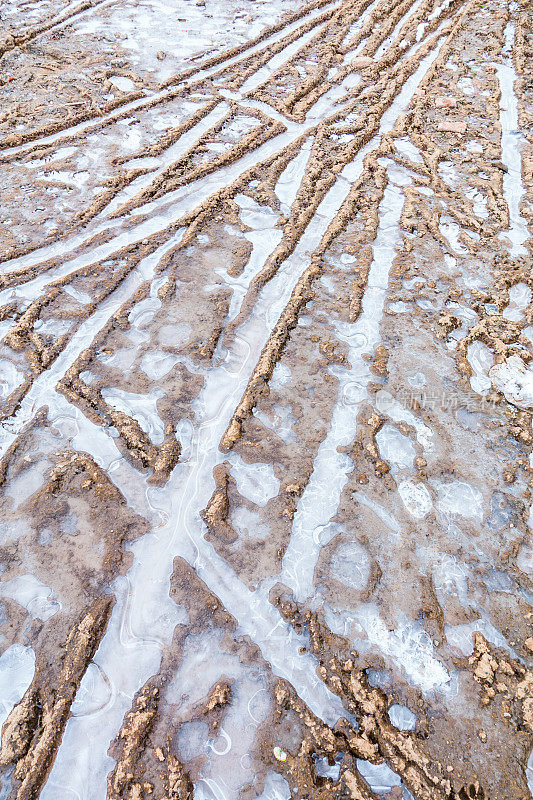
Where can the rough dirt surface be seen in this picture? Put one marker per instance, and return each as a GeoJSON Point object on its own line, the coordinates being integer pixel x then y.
{"type": "Point", "coordinates": [266, 386]}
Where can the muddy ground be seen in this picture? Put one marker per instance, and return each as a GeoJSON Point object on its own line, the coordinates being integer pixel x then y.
{"type": "Point", "coordinates": [266, 384]}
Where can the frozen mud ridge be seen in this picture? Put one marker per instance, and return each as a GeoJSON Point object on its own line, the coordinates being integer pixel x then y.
{"type": "Point", "coordinates": [266, 394]}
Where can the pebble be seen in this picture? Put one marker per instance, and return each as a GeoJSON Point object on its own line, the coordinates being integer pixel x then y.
{"type": "Point", "coordinates": [360, 62]}
{"type": "Point", "coordinates": [445, 102]}
{"type": "Point", "coordinates": [453, 126]}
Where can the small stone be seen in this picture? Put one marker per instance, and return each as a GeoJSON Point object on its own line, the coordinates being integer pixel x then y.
{"type": "Point", "coordinates": [482, 735]}
{"type": "Point", "coordinates": [361, 62]}
{"type": "Point", "coordinates": [445, 102]}
{"type": "Point", "coordinates": [453, 126]}
{"type": "Point", "coordinates": [293, 488]}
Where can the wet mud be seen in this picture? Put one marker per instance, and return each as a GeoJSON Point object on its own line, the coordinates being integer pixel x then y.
{"type": "Point", "coordinates": [266, 386]}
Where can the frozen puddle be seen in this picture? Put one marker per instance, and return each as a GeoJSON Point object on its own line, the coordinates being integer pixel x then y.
{"type": "Point", "coordinates": [256, 482]}
{"type": "Point", "coordinates": [409, 646]}
{"type": "Point", "coordinates": [321, 497]}
{"type": "Point", "coordinates": [128, 663]}
{"type": "Point", "coordinates": [515, 380]}
{"type": "Point", "coordinates": [350, 565]}
{"type": "Point", "coordinates": [512, 142]}
{"type": "Point", "coordinates": [17, 667]}
{"type": "Point", "coordinates": [416, 498]}
{"type": "Point", "coordinates": [39, 600]}
{"type": "Point", "coordinates": [142, 407]}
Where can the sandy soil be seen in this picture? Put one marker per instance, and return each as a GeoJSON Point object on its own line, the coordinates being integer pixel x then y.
{"type": "Point", "coordinates": [266, 384]}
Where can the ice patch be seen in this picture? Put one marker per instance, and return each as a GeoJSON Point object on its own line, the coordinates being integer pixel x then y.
{"type": "Point", "coordinates": [281, 423]}
{"type": "Point", "coordinates": [529, 773]}
{"type": "Point", "coordinates": [142, 407]}
{"type": "Point", "coordinates": [479, 203]}
{"type": "Point", "coordinates": [290, 179]}
{"type": "Point", "coordinates": [40, 601]}
{"type": "Point", "coordinates": [52, 327]}
{"type": "Point", "coordinates": [156, 618]}
{"type": "Point", "coordinates": [460, 498]}
{"type": "Point", "coordinates": [248, 524]}
{"type": "Point", "coordinates": [474, 147]}
{"type": "Point", "coordinates": [93, 693]}
{"type": "Point", "coordinates": [10, 377]}
{"type": "Point", "coordinates": [467, 86]}
{"type": "Point", "coordinates": [460, 636]}
{"type": "Point", "coordinates": [276, 788]}
{"type": "Point", "coordinates": [192, 738]}
{"type": "Point", "coordinates": [512, 141]}
{"type": "Point", "coordinates": [481, 360]}
{"type": "Point", "coordinates": [264, 237]}
{"type": "Point", "coordinates": [280, 376]}
{"type": "Point", "coordinates": [122, 359]}
{"type": "Point", "coordinates": [10, 531]}
{"type": "Point", "coordinates": [174, 335]}
{"type": "Point", "coordinates": [524, 559]}
{"type": "Point", "coordinates": [143, 313]}
{"type": "Point", "coordinates": [255, 216]}
{"type": "Point", "coordinates": [17, 667]}
{"type": "Point", "coordinates": [350, 565]}
{"type": "Point", "coordinates": [515, 381]}
{"type": "Point", "coordinates": [387, 404]}
{"type": "Point", "coordinates": [256, 482]}
{"type": "Point", "coordinates": [408, 149]}
{"type": "Point", "coordinates": [227, 768]}
{"type": "Point", "coordinates": [402, 718]}
{"type": "Point", "coordinates": [82, 297]}
{"type": "Point", "coordinates": [451, 231]}
{"type": "Point", "coordinates": [122, 83]}
{"type": "Point", "coordinates": [409, 646]}
{"type": "Point", "coordinates": [158, 364]}
{"type": "Point", "coordinates": [26, 483]}
{"type": "Point", "coordinates": [416, 498]}
{"type": "Point", "coordinates": [519, 299]}
{"type": "Point", "coordinates": [399, 307]}
{"type": "Point", "coordinates": [379, 777]}
{"type": "Point", "coordinates": [417, 381]}
{"type": "Point", "coordinates": [395, 448]}
{"type": "Point", "coordinates": [450, 577]}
